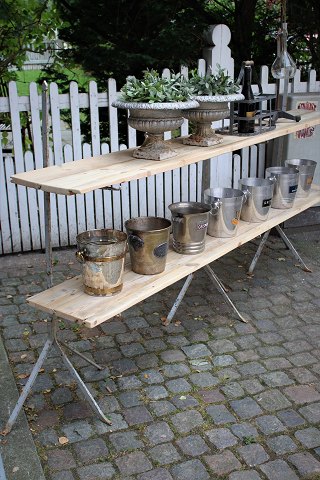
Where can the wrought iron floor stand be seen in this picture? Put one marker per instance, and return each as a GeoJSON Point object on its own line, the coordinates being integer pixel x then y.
{"type": "Point", "coordinates": [52, 341]}
{"type": "Point", "coordinates": [288, 244]}
{"type": "Point", "coordinates": [215, 279]}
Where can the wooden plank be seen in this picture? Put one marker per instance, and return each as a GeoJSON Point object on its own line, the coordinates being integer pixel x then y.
{"type": "Point", "coordinates": [99, 171]}
{"type": "Point", "coordinates": [68, 300]}
{"type": "Point", "coordinates": [13, 205]}
{"type": "Point", "coordinates": [4, 209]}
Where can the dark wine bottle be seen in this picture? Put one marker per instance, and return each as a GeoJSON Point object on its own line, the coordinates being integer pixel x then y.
{"type": "Point", "coordinates": [247, 107]}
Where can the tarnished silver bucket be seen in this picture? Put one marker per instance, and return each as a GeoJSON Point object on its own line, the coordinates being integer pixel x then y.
{"type": "Point", "coordinates": [148, 239]}
{"type": "Point", "coordinates": [286, 181]}
{"type": "Point", "coordinates": [226, 204]}
{"type": "Point", "coordinates": [257, 203]}
{"type": "Point", "coordinates": [102, 254]}
{"type": "Point", "coordinates": [189, 226]}
{"type": "Point", "coordinates": [306, 172]}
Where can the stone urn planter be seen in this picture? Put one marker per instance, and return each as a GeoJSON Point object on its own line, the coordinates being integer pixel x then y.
{"type": "Point", "coordinates": [211, 109]}
{"type": "Point", "coordinates": [154, 119]}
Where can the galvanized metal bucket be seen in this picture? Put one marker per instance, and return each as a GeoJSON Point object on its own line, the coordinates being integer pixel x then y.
{"type": "Point", "coordinates": [306, 172]}
{"type": "Point", "coordinates": [286, 181]}
{"type": "Point", "coordinates": [258, 196]}
{"type": "Point", "coordinates": [226, 204]}
{"type": "Point", "coordinates": [189, 226]}
{"type": "Point", "coordinates": [148, 239]}
{"type": "Point", "coordinates": [102, 254]}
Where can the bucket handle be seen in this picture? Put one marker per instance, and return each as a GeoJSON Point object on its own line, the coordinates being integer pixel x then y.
{"type": "Point", "coordinates": [135, 241]}
{"type": "Point", "coordinates": [246, 195]}
{"type": "Point", "coordinates": [215, 206]}
{"type": "Point", "coordinates": [80, 255]}
{"type": "Point", "coordinates": [273, 179]}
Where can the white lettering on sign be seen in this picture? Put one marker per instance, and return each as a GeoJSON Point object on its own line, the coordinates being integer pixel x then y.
{"type": "Point", "coordinates": [309, 131]}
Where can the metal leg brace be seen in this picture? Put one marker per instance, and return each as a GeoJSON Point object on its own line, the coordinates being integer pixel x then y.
{"type": "Point", "coordinates": [286, 241]}
{"type": "Point", "coordinates": [185, 287]}
{"type": "Point", "coordinates": [53, 341]}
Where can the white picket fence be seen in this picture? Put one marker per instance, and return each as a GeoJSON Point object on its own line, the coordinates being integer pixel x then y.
{"type": "Point", "coordinates": [21, 209]}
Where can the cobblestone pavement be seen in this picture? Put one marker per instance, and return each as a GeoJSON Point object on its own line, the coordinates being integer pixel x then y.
{"type": "Point", "coordinates": [208, 397]}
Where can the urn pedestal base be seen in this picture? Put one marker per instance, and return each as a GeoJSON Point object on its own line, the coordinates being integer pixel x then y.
{"type": "Point", "coordinates": [154, 148]}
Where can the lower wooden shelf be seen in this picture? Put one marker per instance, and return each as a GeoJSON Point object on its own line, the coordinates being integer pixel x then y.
{"type": "Point", "coordinates": [68, 300]}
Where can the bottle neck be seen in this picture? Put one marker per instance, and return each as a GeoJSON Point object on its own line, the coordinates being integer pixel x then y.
{"type": "Point", "coordinates": [247, 78]}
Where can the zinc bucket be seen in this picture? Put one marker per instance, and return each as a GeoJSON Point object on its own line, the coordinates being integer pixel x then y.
{"type": "Point", "coordinates": [306, 172]}
{"type": "Point", "coordinates": [258, 196]}
{"type": "Point", "coordinates": [148, 240]}
{"type": "Point", "coordinates": [286, 181]}
{"type": "Point", "coordinates": [226, 204]}
{"type": "Point", "coordinates": [102, 254]}
{"type": "Point", "coordinates": [189, 226]}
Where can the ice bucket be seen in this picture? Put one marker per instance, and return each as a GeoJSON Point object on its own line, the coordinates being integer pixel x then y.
{"type": "Point", "coordinates": [189, 226]}
{"type": "Point", "coordinates": [258, 198]}
{"type": "Point", "coordinates": [148, 240]}
{"type": "Point", "coordinates": [225, 211]}
{"type": "Point", "coordinates": [306, 172]}
{"type": "Point", "coordinates": [285, 185]}
{"type": "Point", "coordinates": [102, 254]}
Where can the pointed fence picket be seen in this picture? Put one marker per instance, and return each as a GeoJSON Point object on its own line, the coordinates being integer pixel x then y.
{"type": "Point", "coordinates": [21, 209]}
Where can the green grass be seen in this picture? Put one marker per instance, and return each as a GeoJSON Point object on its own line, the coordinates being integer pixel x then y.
{"type": "Point", "coordinates": [25, 77]}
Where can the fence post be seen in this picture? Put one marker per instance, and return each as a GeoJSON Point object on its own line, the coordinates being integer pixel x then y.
{"type": "Point", "coordinates": [218, 52]}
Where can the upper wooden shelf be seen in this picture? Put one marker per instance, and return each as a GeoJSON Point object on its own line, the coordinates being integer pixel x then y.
{"type": "Point", "coordinates": [69, 301]}
{"type": "Point", "coordinates": [82, 176]}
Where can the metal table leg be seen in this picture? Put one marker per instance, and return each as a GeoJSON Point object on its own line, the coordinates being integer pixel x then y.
{"type": "Point", "coordinates": [53, 341]}
{"type": "Point", "coordinates": [222, 290]}
{"type": "Point", "coordinates": [179, 299]}
{"type": "Point", "coordinates": [292, 249]}
{"type": "Point", "coordinates": [258, 252]}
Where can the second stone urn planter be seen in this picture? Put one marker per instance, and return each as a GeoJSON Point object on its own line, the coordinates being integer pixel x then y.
{"type": "Point", "coordinates": [211, 109]}
{"type": "Point", "coordinates": [154, 119]}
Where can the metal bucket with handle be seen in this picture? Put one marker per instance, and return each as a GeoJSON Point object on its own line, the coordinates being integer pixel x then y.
{"type": "Point", "coordinates": [259, 192]}
{"type": "Point", "coordinates": [226, 204]}
{"type": "Point", "coordinates": [286, 181]}
{"type": "Point", "coordinates": [306, 172]}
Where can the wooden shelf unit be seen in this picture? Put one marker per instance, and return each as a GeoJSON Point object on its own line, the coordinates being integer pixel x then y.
{"type": "Point", "coordinates": [82, 176]}
{"type": "Point", "coordinates": [68, 300]}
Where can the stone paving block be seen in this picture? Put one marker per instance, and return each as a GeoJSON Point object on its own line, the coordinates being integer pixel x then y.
{"type": "Point", "coordinates": [77, 431]}
{"type": "Point", "coordinates": [63, 475]}
{"type": "Point", "coordinates": [221, 438]}
{"type": "Point", "coordinates": [244, 431]}
{"type": "Point", "coordinates": [156, 474]}
{"type": "Point", "coordinates": [128, 337]}
{"type": "Point", "coordinates": [227, 374]}
{"type": "Point", "coordinates": [109, 404]}
{"type": "Point", "coordinates": [123, 441]}
{"type": "Point", "coordinates": [172, 356]}
{"type": "Point", "coordinates": [164, 454]}
{"type": "Point", "coordinates": [291, 418]}
{"type": "Point", "coordinates": [178, 385]}
{"type": "Point", "coordinates": [60, 460]}
{"type": "Point", "coordinates": [135, 323]}
{"type": "Point", "coordinates": [281, 445]}
{"type": "Point", "coordinates": [305, 463]}
{"type": "Point", "coordinates": [48, 438]}
{"type": "Point", "coordinates": [276, 379]}
{"type": "Point", "coordinates": [133, 463]}
{"type": "Point", "coordinates": [302, 394]}
{"type": "Point", "coordinates": [197, 350]}
{"type": "Point", "coordinates": [178, 340]}
{"type": "Point", "coordinates": [124, 366]}
{"type": "Point", "coordinates": [158, 433]}
{"type": "Point", "coordinates": [221, 346]}
{"type": "Point", "coordinates": [162, 407]}
{"type": "Point", "coordinates": [175, 370]}
{"type": "Point", "coordinates": [131, 382]}
{"type": "Point", "coordinates": [77, 411]}
{"type": "Point", "coordinates": [148, 360]}
{"type": "Point", "coordinates": [246, 408]}
{"type": "Point", "coordinates": [278, 363]}
{"type": "Point", "coordinates": [233, 390]}
{"type": "Point", "coordinates": [156, 392]}
{"type": "Point", "coordinates": [203, 379]}
{"type": "Point", "coordinates": [155, 345]}
{"type": "Point", "coordinates": [252, 386]}
{"type": "Point", "coordinates": [251, 368]}
{"type": "Point", "coordinates": [117, 420]}
{"type": "Point", "coordinates": [297, 346]}
{"type": "Point", "coordinates": [309, 437]}
{"type": "Point", "coordinates": [303, 375]}
{"type": "Point", "coordinates": [91, 450]}
{"type": "Point", "coordinates": [192, 445]}
{"type": "Point", "coordinates": [220, 414]}
{"type": "Point", "coordinates": [246, 356]}
{"type": "Point", "coordinates": [253, 454]}
{"type": "Point", "coordinates": [311, 413]}
{"type": "Point", "coordinates": [184, 401]}
{"type": "Point", "coordinates": [190, 470]}
{"type": "Point", "coordinates": [184, 422]}
{"type": "Point", "coordinates": [269, 424]}
{"type": "Point", "coordinates": [137, 415]}
{"type": "Point", "coordinates": [245, 475]}
{"type": "Point", "coordinates": [272, 400]}
{"type": "Point", "coordinates": [222, 463]}
{"type": "Point", "coordinates": [278, 470]}
{"type": "Point", "coordinates": [130, 399]}
{"type": "Point", "coordinates": [151, 377]}
{"type": "Point", "coordinates": [223, 361]}
{"type": "Point", "coordinates": [211, 396]}
{"type": "Point", "coordinates": [302, 359]}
